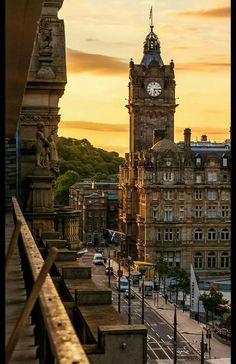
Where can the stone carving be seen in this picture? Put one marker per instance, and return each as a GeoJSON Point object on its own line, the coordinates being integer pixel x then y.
{"type": "Point", "coordinates": [45, 38]}
{"type": "Point", "coordinates": [42, 147]}
{"type": "Point", "coordinates": [46, 150]}
{"type": "Point", "coordinates": [32, 118]}
{"type": "Point", "coordinates": [53, 156]}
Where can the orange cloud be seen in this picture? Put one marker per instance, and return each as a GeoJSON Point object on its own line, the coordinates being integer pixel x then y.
{"type": "Point", "coordinates": [78, 62]}
{"type": "Point", "coordinates": [210, 13]}
{"type": "Point", "coordinates": [92, 126]}
{"type": "Point", "coordinates": [204, 65]}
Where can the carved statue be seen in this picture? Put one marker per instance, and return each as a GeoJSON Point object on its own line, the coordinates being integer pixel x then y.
{"type": "Point", "coordinates": [45, 38]}
{"type": "Point", "coordinates": [42, 147]}
{"type": "Point", "coordinates": [53, 156]}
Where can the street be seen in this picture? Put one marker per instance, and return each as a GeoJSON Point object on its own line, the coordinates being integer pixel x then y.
{"type": "Point", "coordinates": [160, 333]}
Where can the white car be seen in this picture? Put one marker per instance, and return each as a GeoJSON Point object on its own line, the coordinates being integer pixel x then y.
{"type": "Point", "coordinates": [98, 259]}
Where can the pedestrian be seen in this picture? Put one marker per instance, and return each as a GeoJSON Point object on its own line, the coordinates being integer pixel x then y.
{"type": "Point", "coordinates": [166, 298]}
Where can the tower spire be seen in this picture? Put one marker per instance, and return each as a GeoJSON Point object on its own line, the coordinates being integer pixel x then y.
{"type": "Point", "coordinates": [151, 18]}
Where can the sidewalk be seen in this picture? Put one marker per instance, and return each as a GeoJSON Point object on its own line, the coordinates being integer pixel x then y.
{"type": "Point", "coordinates": [188, 328]}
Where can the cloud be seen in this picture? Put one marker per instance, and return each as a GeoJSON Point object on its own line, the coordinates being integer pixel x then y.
{"type": "Point", "coordinates": [92, 126]}
{"type": "Point", "coordinates": [210, 13]}
{"type": "Point", "coordinates": [78, 62]}
{"type": "Point", "coordinates": [203, 65]}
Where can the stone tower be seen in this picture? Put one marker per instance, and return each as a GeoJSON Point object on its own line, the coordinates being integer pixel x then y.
{"type": "Point", "coordinates": [151, 97]}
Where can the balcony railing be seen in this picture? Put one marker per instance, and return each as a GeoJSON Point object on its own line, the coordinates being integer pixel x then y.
{"type": "Point", "coordinates": [54, 334]}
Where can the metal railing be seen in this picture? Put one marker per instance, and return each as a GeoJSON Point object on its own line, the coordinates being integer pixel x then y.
{"type": "Point", "coordinates": [56, 338]}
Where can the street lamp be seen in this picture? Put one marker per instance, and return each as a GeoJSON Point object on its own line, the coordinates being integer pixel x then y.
{"type": "Point", "coordinates": [129, 308]}
{"type": "Point", "coordinates": [175, 337]}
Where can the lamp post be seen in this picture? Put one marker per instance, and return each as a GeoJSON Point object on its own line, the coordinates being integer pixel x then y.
{"type": "Point", "coordinates": [143, 300]}
{"type": "Point", "coordinates": [119, 274]}
{"type": "Point", "coordinates": [202, 349]}
{"type": "Point", "coordinates": [129, 308]}
{"type": "Point", "coordinates": [175, 337]}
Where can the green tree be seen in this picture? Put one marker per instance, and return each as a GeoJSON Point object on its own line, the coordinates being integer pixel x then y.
{"type": "Point", "coordinates": [182, 281]}
{"type": "Point", "coordinates": [162, 268]}
{"type": "Point", "coordinates": [62, 185]}
{"type": "Point", "coordinates": [214, 302]}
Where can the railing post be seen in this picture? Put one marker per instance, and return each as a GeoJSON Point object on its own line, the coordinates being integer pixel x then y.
{"type": "Point", "coordinates": [12, 244]}
{"type": "Point", "coordinates": [52, 253]}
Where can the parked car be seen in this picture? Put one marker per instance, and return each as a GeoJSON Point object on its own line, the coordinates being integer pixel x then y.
{"type": "Point", "coordinates": [109, 269]}
{"type": "Point", "coordinates": [126, 294]}
{"type": "Point", "coordinates": [98, 259]}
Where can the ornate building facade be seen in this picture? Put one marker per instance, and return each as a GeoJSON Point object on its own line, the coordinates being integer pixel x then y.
{"type": "Point", "coordinates": [97, 203]}
{"type": "Point", "coordinates": [174, 198]}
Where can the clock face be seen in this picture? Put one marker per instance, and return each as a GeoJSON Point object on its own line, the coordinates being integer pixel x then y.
{"type": "Point", "coordinates": [154, 89]}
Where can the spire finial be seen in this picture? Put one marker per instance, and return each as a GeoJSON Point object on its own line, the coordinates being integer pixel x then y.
{"type": "Point", "coordinates": [151, 18]}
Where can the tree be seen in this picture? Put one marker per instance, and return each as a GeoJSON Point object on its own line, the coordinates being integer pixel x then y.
{"type": "Point", "coordinates": [62, 185]}
{"type": "Point", "coordinates": [214, 302]}
{"type": "Point", "coordinates": [161, 267]}
{"type": "Point", "coordinates": [182, 281]}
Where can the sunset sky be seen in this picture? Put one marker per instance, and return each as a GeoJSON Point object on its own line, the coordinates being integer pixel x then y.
{"type": "Point", "coordinates": [102, 36]}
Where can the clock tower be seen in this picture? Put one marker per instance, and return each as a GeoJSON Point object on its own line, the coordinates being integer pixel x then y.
{"type": "Point", "coordinates": [151, 97]}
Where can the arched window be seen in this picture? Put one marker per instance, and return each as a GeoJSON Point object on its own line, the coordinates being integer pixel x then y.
{"type": "Point", "coordinates": [225, 260]}
{"type": "Point", "coordinates": [224, 234]}
{"type": "Point", "coordinates": [211, 260]}
{"type": "Point", "coordinates": [211, 234]}
{"type": "Point", "coordinates": [198, 234]}
{"type": "Point", "coordinates": [198, 260]}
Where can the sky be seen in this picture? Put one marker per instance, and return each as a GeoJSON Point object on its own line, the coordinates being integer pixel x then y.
{"type": "Point", "coordinates": [102, 36]}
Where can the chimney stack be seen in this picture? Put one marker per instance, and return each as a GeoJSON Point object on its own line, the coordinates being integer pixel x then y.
{"type": "Point", "coordinates": [187, 137]}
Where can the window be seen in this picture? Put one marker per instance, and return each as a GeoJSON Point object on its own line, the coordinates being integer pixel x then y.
{"type": "Point", "coordinates": [154, 196]}
{"type": "Point", "coordinates": [211, 234]}
{"type": "Point", "coordinates": [169, 258]}
{"type": "Point", "coordinates": [168, 214]}
{"type": "Point", "coordinates": [198, 178]}
{"type": "Point", "coordinates": [181, 195]}
{"type": "Point", "coordinates": [155, 213]}
{"type": "Point", "coordinates": [224, 161]}
{"type": "Point", "coordinates": [211, 260]}
{"type": "Point", "coordinates": [168, 176]}
{"type": "Point", "coordinates": [168, 234]}
{"type": "Point", "coordinates": [177, 259]}
{"type": "Point", "coordinates": [212, 195]}
{"type": "Point", "coordinates": [181, 212]}
{"type": "Point", "coordinates": [198, 260]}
{"type": "Point", "coordinates": [198, 234]}
{"type": "Point", "coordinates": [212, 176]}
{"type": "Point", "coordinates": [225, 211]}
{"type": "Point", "coordinates": [198, 194]}
{"type": "Point", "coordinates": [177, 234]}
{"type": "Point", "coordinates": [198, 211]}
{"type": "Point", "coordinates": [211, 212]}
{"type": "Point", "coordinates": [198, 161]}
{"type": "Point", "coordinates": [225, 260]}
{"type": "Point", "coordinates": [168, 195]}
{"type": "Point", "coordinates": [224, 234]}
{"type": "Point", "coordinates": [225, 195]}
{"type": "Point", "coordinates": [158, 234]}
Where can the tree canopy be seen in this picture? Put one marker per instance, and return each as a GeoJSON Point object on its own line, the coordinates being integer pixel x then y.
{"type": "Point", "coordinates": [79, 159]}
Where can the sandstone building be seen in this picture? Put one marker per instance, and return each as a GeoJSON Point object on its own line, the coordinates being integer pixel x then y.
{"type": "Point", "coordinates": [174, 198]}
{"type": "Point", "coordinates": [97, 203]}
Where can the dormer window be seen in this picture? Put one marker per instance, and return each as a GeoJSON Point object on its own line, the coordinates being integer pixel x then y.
{"type": "Point", "coordinates": [198, 160]}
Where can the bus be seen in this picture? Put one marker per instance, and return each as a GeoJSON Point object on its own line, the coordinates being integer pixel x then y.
{"type": "Point", "coordinates": [124, 284]}
{"type": "Point", "coordinates": [148, 288]}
